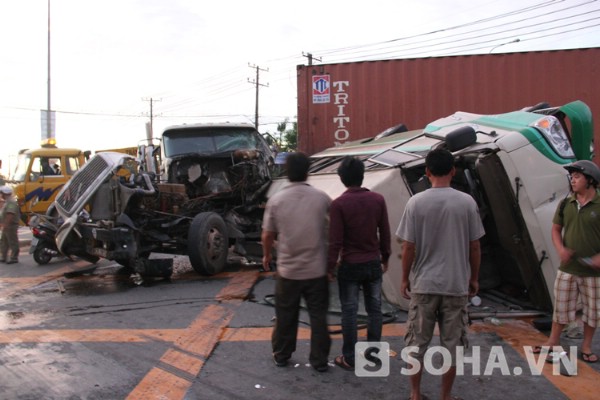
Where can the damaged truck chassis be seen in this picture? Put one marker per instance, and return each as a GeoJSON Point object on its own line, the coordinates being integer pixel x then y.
{"type": "Point", "coordinates": [207, 197]}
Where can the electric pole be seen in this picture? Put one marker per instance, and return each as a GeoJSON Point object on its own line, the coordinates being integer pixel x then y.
{"type": "Point", "coordinates": [310, 58]}
{"type": "Point", "coordinates": [257, 83]}
{"type": "Point", "coordinates": [151, 101]}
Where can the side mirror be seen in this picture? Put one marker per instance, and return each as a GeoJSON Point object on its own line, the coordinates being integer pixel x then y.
{"type": "Point", "coordinates": [460, 138]}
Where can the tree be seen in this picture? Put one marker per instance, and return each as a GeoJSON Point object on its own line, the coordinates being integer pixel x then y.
{"type": "Point", "coordinates": [288, 138]}
{"type": "Point", "coordinates": [291, 137]}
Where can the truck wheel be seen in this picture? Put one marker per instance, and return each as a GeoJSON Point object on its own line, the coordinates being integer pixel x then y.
{"type": "Point", "coordinates": [208, 243]}
{"type": "Point", "coordinates": [40, 255]}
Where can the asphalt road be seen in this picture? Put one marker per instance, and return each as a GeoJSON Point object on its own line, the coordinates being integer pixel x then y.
{"type": "Point", "coordinates": [72, 330]}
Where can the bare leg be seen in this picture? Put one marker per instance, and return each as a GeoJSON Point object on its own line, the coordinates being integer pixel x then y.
{"type": "Point", "coordinates": [447, 382]}
{"type": "Point", "coordinates": [554, 339]}
{"type": "Point", "coordinates": [415, 385]}
{"type": "Point", "coordinates": [588, 335]}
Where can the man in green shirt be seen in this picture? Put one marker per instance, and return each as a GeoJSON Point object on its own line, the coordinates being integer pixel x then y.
{"type": "Point", "coordinates": [576, 238]}
{"type": "Point", "coordinates": [11, 215]}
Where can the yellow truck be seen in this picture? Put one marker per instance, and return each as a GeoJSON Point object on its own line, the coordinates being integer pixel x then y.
{"type": "Point", "coordinates": [40, 174]}
{"type": "Point", "coordinates": [132, 151]}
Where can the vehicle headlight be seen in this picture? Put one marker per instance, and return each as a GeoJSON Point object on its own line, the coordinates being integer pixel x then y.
{"type": "Point", "coordinates": [555, 135]}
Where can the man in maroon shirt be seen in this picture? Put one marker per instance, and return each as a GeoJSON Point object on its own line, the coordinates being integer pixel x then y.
{"type": "Point", "coordinates": [359, 242]}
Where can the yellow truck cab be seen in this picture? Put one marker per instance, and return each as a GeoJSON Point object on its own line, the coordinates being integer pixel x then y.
{"type": "Point", "coordinates": [40, 174]}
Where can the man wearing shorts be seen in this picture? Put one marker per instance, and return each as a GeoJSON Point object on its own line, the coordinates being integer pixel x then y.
{"type": "Point", "coordinates": [576, 238]}
{"type": "Point", "coordinates": [440, 230]}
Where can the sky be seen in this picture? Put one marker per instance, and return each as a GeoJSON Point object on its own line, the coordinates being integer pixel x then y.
{"type": "Point", "coordinates": [113, 63]}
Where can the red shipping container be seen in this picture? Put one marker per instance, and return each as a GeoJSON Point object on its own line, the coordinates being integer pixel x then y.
{"type": "Point", "coordinates": [338, 103]}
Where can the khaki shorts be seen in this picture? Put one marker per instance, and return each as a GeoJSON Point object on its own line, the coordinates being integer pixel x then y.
{"type": "Point", "coordinates": [450, 312]}
{"type": "Point", "coordinates": [567, 288]}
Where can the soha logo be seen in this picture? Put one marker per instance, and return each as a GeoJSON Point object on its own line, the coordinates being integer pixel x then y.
{"type": "Point", "coordinates": [372, 359]}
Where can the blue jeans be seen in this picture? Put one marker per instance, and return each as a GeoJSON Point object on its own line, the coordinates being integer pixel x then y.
{"type": "Point", "coordinates": [351, 278]}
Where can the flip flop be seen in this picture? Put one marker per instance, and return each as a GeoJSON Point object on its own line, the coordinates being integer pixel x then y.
{"type": "Point", "coordinates": [340, 361]}
{"type": "Point", "coordinates": [539, 349]}
{"type": "Point", "coordinates": [589, 358]}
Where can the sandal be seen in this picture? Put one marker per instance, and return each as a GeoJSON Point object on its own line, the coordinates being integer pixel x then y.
{"type": "Point", "coordinates": [539, 349]}
{"type": "Point", "coordinates": [589, 358]}
{"type": "Point", "coordinates": [340, 361]}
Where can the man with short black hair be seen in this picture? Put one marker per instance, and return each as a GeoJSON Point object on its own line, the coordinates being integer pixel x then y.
{"type": "Point", "coordinates": [359, 241]}
{"type": "Point", "coordinates": [297, 218]}
{"type": "Point", "coordinates": [440, 230]}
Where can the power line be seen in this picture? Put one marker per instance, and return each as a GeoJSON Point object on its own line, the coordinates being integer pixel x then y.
{"type": "Point", "coordinates": [343, 53]}
{"type": "Point", "coordinates": [527, 23]}
{"type": "Point", "coordinates": [474, 34]}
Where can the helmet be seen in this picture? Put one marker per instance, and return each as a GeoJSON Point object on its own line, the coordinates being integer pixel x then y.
{"type": "Point", "coordinates": [586, 167]}
{"type": "Point", "coordinates": [6, 190]}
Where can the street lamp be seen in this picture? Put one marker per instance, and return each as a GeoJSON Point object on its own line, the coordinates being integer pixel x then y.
{"type": "Point", "coordinates": [502, 44]}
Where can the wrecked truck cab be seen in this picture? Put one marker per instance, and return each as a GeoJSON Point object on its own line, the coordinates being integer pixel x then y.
{"type": "Point", "coordinates": [206, 199]}
{"type": "Point", "coordinates": [224, 169]}
{"type": "Point", "coordinates": [230, 161]}
{"type": "Point", "coordinates": [511, 164]}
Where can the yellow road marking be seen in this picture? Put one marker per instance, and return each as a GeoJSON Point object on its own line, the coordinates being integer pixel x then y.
{"type": "Point", "coordinates": [89, 335]}
{"type": "Point", "coordinates": [178, 367]}
{"type": "Point", "coordinates": [18, 284]}
{"type": "Point", "coordinates": [519, 334]}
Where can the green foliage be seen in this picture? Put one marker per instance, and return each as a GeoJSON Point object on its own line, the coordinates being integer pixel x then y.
{"type": "Point", "coordinates": [286, 139]}
{"type": "Point", "coordinates": [290, 137]}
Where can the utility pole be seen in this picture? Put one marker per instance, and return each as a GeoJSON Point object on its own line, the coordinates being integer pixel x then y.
{"type": "Point", "coordinates": [47, 120]}
{"type": "Point", "coordinates": [257, 83]}
{"type": "Point", "coordinates": [151, 101]}
{"type": "Point", "coordinates": [48, 112]}
{"type": "Point", "coordinates": [310, 58]}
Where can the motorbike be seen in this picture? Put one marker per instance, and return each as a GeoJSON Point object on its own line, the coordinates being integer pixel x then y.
{"type": "Point", "coordinates": [43, 243]}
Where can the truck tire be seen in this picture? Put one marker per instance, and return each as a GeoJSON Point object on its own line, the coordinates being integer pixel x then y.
{"type": "Point", "coordinates": [208, 243]}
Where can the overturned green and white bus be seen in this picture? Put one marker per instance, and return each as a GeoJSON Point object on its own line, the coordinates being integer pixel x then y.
{"type": "Point", "coordinates": [511, 164]}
